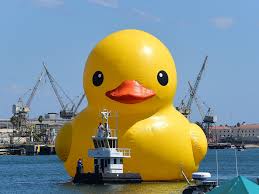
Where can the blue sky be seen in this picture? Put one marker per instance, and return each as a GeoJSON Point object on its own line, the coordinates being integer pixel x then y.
{"type": "Point", "coordinates": [63, 32]}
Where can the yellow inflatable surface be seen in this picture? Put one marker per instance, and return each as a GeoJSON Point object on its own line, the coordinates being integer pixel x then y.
{"type": "Point", "coordinates": [131, 72]}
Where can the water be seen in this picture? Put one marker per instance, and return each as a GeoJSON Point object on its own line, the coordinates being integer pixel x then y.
{"type": "Point", "coordinates": [46, 174]}
{"type": "Point", "coordinates": [247, 162]}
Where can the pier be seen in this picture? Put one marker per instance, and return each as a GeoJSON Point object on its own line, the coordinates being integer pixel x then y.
{"type": "Point", "coordinates": [27, 149]}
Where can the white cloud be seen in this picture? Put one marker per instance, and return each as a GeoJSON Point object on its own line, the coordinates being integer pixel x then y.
{"type": "Point", "coordinates": [222, 22]}
{"type": "Point", "coordinates": [105, 3]}
{"type": "Point", "coordinates": [49, 3]}
{"type": "Point", "coordinates": [146, 15]}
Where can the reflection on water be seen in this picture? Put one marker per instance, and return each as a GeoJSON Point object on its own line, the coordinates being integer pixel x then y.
{"type": "Point", "coordinates": [161, 187]}
{"type": "Point", "coordinates": [127, 188]}
{"type": "Point", "coordinates": [46, 174]}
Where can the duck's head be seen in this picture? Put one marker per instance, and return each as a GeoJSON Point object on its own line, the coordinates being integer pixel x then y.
{"type": "Point", "coordinates": [130, 71]}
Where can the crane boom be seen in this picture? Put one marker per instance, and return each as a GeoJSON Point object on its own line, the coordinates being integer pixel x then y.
{"type": "Point", "coordinates": [28, 103]}
{"type": "Point", "coordinates": [194, 91]}
{"type": "Point", "coordinates": [197, 102]}
{"type": "Point", "coordinates": [52, 82]}
{"type": "Point", "coordinates": [79, 103]}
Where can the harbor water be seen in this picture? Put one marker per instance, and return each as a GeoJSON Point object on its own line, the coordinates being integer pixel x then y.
{"type": "Point", "coordinates": [46, 174]}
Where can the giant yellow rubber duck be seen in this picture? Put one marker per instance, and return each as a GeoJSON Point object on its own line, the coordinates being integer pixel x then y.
{"type": "Point", "coordinates": [132, 73]}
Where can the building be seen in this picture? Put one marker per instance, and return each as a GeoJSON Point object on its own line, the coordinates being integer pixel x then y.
{"type": "Point", "coordinates": [245, 133]}
{"type": "Point", "coordinates": [42, 130]}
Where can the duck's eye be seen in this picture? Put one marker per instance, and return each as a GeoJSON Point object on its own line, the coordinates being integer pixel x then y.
{"type": "Point", "coordinates": [162, 78]}
{"type": "Point", "coordinates": [98, 78]}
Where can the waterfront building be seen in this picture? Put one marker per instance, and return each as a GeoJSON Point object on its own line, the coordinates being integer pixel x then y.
{"type": "Point", "coordinates": [244, 133]}
{"type": "Point", "coordinates": [42, 130]}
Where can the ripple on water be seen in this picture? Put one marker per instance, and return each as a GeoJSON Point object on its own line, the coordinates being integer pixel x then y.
{"type": "Point", "coordinates": [46, 174]}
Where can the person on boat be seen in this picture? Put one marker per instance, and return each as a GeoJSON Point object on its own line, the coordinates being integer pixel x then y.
{"type": "Point", "coordinates": [100, 130]}
{"type": "Point", "coordinates": [80, 167]}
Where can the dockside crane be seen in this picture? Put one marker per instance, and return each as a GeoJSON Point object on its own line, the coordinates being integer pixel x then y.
{"type": "Point", "coordinates": [65, 113]}
{"type": "Point", "coordinates": [185, 109]}
{"type": "Point", "coordinates": [20, 110]}
{"type": "Point", "coordinates": [208, 119]}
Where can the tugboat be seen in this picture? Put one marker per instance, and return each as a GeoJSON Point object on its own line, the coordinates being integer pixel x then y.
{"type": "Point", "coordinates": [108, 158]}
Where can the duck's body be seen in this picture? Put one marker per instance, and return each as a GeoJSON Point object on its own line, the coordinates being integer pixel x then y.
{"type": "Point", "coordinates": [163, 142]}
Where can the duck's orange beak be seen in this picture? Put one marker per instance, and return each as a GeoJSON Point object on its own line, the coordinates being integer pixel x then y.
{"type": "Point", "coordinates": [130, 92]}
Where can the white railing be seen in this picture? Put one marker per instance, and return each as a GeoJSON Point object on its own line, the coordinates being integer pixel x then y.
{"type": "Point", "coordinates": [107, 133]}
{"type": "Point", "coordinates": [125, 151]}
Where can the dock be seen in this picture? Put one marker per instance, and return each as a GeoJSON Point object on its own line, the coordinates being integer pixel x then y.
{"type": "Point", "coordinates": [27, 149]}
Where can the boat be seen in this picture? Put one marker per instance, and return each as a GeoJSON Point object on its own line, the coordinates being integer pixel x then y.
{"type": "Point", "coordinates": [202, 183]}
{"type": "Point", "coordinates": [108, 158]}
{"type": "Point", "coordinates": [241, 147]}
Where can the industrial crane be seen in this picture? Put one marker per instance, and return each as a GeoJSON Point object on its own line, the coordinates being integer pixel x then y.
{"type": "Point", "coordinates": [208, 119]}
{"type": "Point", "coordinates": [185, 109]}
{"type": "Point", "coordinates": [21, 110]}
{"type": "Point", "coordinates": [65, 112]}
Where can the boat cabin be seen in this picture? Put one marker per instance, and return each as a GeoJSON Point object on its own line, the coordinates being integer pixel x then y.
{"type": "Point", "coordinates": [108, 158]}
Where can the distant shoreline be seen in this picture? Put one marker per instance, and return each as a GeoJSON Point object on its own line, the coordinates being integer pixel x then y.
{"type": "Point", "coordinates": [251, 146]}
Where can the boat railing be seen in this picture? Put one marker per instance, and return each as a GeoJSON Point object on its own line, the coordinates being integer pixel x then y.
{"type": "Point", "coordinates": [125, 151]}
{"type": "Point", "coordinates": [106, 133]}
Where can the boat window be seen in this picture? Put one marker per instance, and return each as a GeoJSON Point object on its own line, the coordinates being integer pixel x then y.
{"type": "Point", "coordinates": [95, 161]}
{"type": "Point", "coordinates": [109, 161]}
{"type": "Point", "coordinates": [121, 161]}
{"type": "Point", "coordinates": [114, 161]}
{"type": "Point", "coordinates": [105, 163]}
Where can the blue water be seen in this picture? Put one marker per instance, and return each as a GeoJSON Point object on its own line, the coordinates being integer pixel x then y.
{"type": "Point", "coordinates": [46, 174]}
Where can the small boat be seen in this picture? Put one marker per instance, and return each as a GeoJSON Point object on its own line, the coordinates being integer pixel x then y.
{"type": "Point", "coordinates": [108, 158]}
{"type": "Point", "coordinates": [241, 148]}
{"type": "Point", "coordinates": [202, 183]}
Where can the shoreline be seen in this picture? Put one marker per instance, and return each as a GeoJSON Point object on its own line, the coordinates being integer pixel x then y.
{"type": "Point", "coordinates": [251, 146]}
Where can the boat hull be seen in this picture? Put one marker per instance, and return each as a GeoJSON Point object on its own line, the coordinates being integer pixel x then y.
{"type": "Point", "coordinates": [101, 178]}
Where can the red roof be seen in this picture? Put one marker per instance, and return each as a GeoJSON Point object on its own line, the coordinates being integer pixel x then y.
{"type": "Point", "coordinates": [245, 126]}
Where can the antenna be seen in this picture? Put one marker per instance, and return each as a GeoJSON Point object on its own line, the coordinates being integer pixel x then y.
{"type": "Point", "coordinates": [185, 177]}
{"type": "Point", "coordinates": [217, 167]}
{"type": "Point", "coordinates": [236, 161]}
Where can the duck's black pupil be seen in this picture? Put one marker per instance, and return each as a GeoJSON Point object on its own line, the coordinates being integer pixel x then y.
{"type": "Point", "coordinates": [162, 78]}
{"type": "Point", "coordinates": [98, 78]}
